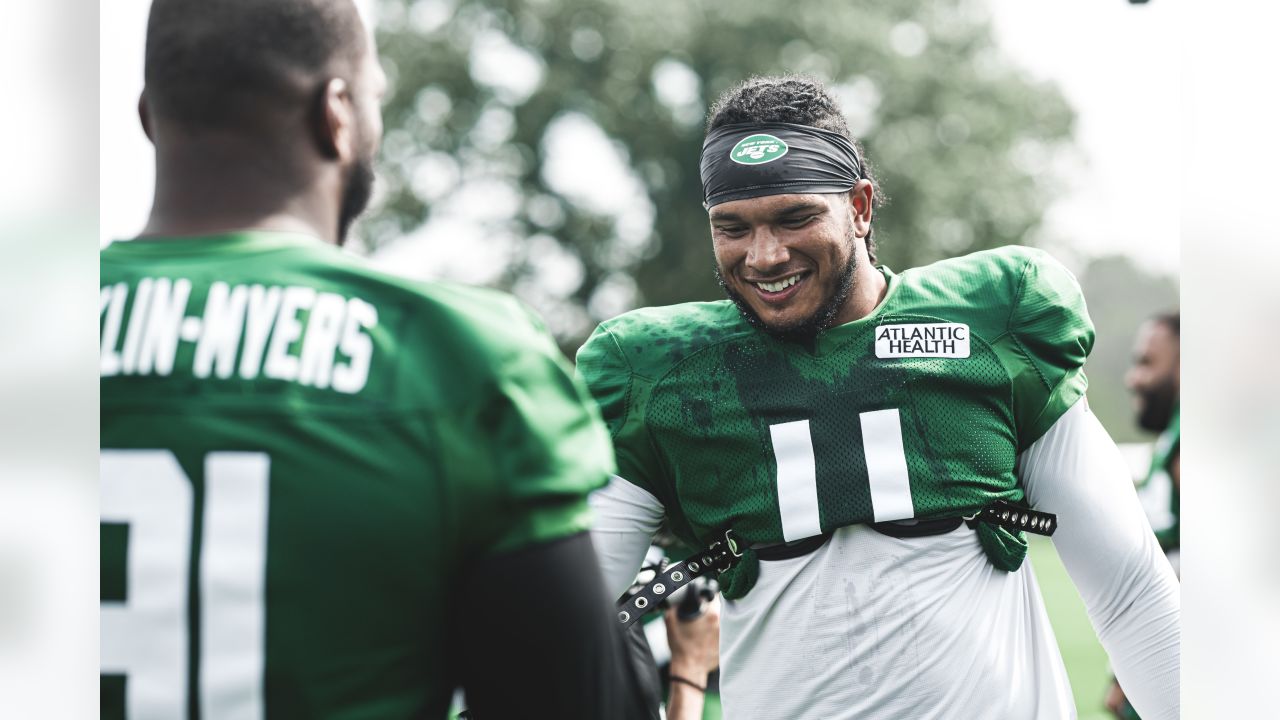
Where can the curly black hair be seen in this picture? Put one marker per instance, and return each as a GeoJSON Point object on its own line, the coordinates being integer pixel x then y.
{"type": "Point", "coordinates": [795, 99]}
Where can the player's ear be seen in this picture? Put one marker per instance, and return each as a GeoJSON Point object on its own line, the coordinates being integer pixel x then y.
{"type": "Point", "coordinates": [861, 198]}
{"type": "Point", "coordinates": [333, 121]}
{"type": "Point", "coordinates": [144, 115]}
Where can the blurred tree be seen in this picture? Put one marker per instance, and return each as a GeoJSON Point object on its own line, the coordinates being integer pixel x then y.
{"type": "Point", "coordinates": [508, 98]}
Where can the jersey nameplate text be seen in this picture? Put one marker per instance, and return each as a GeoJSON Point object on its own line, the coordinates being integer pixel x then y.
{"type": "Point", "coordinates": [945, 340]}
{"type": "Point", "coordinates": [294, 333]}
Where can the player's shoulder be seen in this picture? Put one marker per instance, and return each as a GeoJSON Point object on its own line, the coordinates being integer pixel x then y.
{"type": "Point", "coordinates": [469, 321]}
{"type": "Point", "coordinates": [997, 273]}
{"type": "Point", "coordinates": [486, 319]}
{"type": "Point", "coordinates": [997, 284]}
{"type": "Point", "coordinates": [652, 339]}
{"type": "Point", "coordinates": [443, 308]}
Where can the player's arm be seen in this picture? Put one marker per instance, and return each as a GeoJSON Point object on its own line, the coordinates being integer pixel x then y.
{"type": "Point", "coordinates": [626, 519]}
{"type": "Point", "coordinates": [695, 654]}
{"type": "Point", "coordinates": [535, 632]}
{"type": "Point", "coordinates": [1069, 466]}
{"type": "Point", "coordinates": [537, 637]}
{"type": "Point", "coordinates": [1108, 549]}
{"type": "Point", "coordinates": [627, 512]}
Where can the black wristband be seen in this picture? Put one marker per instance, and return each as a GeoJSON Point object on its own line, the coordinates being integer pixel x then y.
{"type": "Point", "coordinates": [690, 683]}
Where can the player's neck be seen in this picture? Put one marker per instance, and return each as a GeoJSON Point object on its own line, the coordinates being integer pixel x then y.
{"type": "Point", "coordinates": [868, 291]}
{"type": "Point", "coordinates": [212, 190]}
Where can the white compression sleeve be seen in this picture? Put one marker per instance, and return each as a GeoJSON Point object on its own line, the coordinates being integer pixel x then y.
{"type": "Point", "coordinates": [1111, 554]}
{"type": "Point", "coordinates": [626, 519]}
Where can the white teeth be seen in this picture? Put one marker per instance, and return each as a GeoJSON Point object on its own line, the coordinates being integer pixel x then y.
{"type": "Point", "coordinates": [779, 286]}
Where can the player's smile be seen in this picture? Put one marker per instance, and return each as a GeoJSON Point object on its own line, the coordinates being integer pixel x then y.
{"type": "Point", "coordinates": [777, 292]}
{"type": "Point", "coordinates": [787, 294]}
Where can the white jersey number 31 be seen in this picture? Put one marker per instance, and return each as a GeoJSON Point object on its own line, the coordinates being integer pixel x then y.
{"type": "Point", "coordinates": [146, 636]}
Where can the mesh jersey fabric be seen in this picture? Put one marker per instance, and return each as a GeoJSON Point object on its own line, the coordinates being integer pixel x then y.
{"type": "Point", "coordinates": [466, 436]}
{"type": "Point", "coordinates": [692, 395]}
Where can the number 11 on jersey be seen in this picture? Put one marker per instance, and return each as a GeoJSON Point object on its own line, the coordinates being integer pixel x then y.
{"type": "Point", "coordinates": [146, 637]}
{"type": "Point", "coordinates": [888, 481]}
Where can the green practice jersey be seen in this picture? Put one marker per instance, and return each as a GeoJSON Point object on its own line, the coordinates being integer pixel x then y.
{"type": "Point", "coordinates": [298, 455]}
{"type": "Point", "coordinates": [1166, 448]}
{"type": "Point", "coordinates": [916, 411]}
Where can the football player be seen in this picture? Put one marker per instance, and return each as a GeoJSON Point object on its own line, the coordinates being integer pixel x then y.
{"type": "Point", "coordinates": [875, 443]}
{"type": "Point", "coordinates": [326, 492]}
{"type": "Point", "coordinates": [1154, 379]}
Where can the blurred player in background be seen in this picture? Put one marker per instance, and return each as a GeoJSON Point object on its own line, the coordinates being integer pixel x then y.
{"type": "Point", "coordinates": [1155, 381]}
{"type": "Point", "coordinates": [850, 425]}
{"type": "Point", "coordinates": [325, 491]}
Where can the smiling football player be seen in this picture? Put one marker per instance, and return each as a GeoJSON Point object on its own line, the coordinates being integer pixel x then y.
{"type": "Point", "coordinates": [879, 442]}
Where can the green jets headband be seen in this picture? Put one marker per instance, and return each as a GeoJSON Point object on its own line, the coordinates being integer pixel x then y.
{"type": "Point", "coordinates": [748, 160]}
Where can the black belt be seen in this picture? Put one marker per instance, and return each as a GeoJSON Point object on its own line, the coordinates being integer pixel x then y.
{"type": "Point", "coordinates": [723, 554]}
{"type": "Point", "coordinates": [795, 549]}
{"type": "Point", "coordinates": [1001, 512]}
{"type": "Point", "coordinates": [923, 528]}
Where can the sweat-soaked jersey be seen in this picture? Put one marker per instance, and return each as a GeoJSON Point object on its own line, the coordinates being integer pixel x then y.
{"type": "Point", "coordinates": [917, 410]}
{"type": "Point", "coordinates": [298, 455]}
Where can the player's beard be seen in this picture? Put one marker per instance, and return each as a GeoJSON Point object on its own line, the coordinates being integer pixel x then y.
{"type": "Point", "coordinates": [355, 196]}
{"type": "Point", "coordinates": [806, 329]}
{"type": "Point", "coordinates": [1155, 410]}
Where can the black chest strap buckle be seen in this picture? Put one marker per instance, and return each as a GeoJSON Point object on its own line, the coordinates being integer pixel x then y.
{"type": "Point", "coordinates": [1014, 517]}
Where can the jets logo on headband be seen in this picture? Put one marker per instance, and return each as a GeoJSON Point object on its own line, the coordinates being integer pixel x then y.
{"type": "Point", "coordinates": [758, 149]}
{"type": "Point", "coordinates": [738, 161]}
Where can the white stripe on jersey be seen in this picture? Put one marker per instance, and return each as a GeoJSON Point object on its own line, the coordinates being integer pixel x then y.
{"type": "Point", "coordinates": [886, 465]}
{"type": "Point", "coordinates": [797, 480]}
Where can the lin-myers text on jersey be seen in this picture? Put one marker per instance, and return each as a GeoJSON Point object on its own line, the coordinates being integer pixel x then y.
{"type": "Point", "coordinates": [292, 333]}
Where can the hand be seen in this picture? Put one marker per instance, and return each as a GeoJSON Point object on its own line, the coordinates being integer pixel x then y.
{"type": "Point", "coordinates": [1115, 700]}
{"type": "Point", "coordinates": [695, 644]}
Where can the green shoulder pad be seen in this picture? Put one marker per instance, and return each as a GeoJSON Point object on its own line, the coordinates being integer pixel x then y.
{"type": "Point", "coordinates": [532, 444]}
{"type": "Point", "coordinates": [1030, 309]}
{"type": "Point", "coordinates": [1052, 336]}
{"type": "Point", "coordinates": [626, 356]}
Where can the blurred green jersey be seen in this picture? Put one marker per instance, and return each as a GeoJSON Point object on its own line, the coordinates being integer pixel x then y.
{"type": "Point", "coordinates": [299, 454]}
{"type": "Point", "coordinates": [1165, 450]}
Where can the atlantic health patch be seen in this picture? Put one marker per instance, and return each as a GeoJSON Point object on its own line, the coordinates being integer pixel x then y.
{"type": "Point", "coordinates": [946, 340]}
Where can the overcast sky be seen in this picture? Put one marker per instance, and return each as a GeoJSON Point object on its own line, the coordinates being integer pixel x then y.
{"type": "Point", "coordinates": [1117, 63]}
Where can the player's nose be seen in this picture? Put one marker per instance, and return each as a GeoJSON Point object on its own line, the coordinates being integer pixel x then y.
{"type": "Point", "coordinates": [766, 252]}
